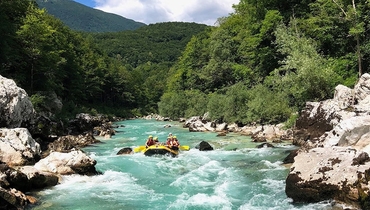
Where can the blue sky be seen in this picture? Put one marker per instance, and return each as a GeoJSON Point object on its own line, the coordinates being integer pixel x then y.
{"type": "Point", "coordinates": [154, 11]}
{"type": "Point", "coordinates": [89, 3]}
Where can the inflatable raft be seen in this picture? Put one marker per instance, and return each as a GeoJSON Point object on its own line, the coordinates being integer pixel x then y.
{"type": "Point", "coordinates": [160, 150]}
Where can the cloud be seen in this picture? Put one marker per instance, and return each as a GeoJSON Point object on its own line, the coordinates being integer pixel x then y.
{"type": "Point", "coordinates": [154, 11]}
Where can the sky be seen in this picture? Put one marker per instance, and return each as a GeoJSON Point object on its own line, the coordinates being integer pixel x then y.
{"type": "Point", "coordinates": [155, 11]}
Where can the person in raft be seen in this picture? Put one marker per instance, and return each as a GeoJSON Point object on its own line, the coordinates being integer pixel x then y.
{"type": "Point", "coordinates": [150, 141]}
{"type": "Point", "coordinates": [169, 139]}
{"type": "Point", "coordinates": [174, 143]}
{"type": "Point", "coordinates": [156, 140]}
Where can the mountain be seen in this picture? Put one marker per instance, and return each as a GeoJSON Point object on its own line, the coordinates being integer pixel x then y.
{"type": "Point", "coordinates": [154, 43]}
{"type": "Point", "coordinates": [83, 18]}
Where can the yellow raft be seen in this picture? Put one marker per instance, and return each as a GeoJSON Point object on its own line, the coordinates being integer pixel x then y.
{"type": "Point", "coordinates": [160, 150]}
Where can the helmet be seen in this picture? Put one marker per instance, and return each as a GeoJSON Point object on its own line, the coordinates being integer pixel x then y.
{"type": "Point", "coordinates": [150, 136]}
{"type": "Point", "coordinates": [155, 138]}
{"type": "Point", "coordinates": [174, 137]}
{"type": "Point", "coordinates": [170, 134]}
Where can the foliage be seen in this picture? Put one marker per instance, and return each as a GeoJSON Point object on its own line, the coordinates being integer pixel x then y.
{"type": "Point", "coordinates": [260, 64]}
{"type": "Point", "coordinates": [303, 70]}
{"type": "Point", "coordinates": [37, 101]}
{"type": "Point", "coordinates": [155, 43]}
{"type": "Point", "coordinates": [83, 18]}
{"type": "Point", "coordinates": [267, 106]}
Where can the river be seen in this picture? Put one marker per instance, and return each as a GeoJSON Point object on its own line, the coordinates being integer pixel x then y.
{"type": "Point", "coordinates": [235, 175]}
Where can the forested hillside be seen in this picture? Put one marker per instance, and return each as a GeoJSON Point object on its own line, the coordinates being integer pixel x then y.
{"type": "Point", "coordinates": [267, 59]}
{"type": "Point", "coordinates": [83, 18]}
{"type": "Point", "coordinates": [42, 54]}
{"type": "Point", "coordinates": [261, 64]}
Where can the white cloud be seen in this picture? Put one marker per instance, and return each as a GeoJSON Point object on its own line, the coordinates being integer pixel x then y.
{"type": "Point", "coordinates": [154, 11]}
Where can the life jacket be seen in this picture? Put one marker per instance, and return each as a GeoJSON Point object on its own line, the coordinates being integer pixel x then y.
{"type": "Point", "coordinates": [150, 142]}
{"type": "Point", "coordinates": [175, 143]}
{"type": "Point", "coordinates": [168, 142]}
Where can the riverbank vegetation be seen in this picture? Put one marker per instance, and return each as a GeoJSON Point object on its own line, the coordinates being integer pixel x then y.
{"type": "Point", "coordinates": [259, 64]}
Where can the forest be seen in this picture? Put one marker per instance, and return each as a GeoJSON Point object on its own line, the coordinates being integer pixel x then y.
{"type": "Point", "coordinates": [259, 64]}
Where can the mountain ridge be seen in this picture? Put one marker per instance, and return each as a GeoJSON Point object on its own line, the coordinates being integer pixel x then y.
{"type": "Point", "coordinates": [83, 18]}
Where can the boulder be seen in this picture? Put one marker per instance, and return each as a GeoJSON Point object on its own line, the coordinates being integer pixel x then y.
{"type": "Point", "coordinates": [26, 178]}
{"type": "Point", "coordinates": [70, 142]}
{"type": "Point", "coordinates": [38, 179]}
{"type": "Point", "coordinates": [75, 162]}
{"type": "Point", "coordinates": [124, 151]}
{"type": "Point", "coordinates": [17, 147]}
{"type": "Point", "coordinates": [51, 104]}
{"type": "Point", "coordinates": [204, 146]}
{"type": "Point", "coordinates": [15, 106]}
{"type": "Point", "coordinates": [337, 173]}
{"type": "Point", "coordinates": [84, 123]}
{"type": "Point", "coordinates": [12, 199]}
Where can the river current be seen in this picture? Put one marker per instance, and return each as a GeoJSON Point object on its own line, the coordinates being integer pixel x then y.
{"type": "Point", "coordinates": [235, 175]}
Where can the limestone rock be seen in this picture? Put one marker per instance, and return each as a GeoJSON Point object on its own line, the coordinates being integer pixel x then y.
{"type": "Point", "coordinates": [75, 162]}
{"type": "Point", "coordinates": [328, 173]}
{"type": "Point", "coordinates": [17, 147]}
{"type": "Point", "coordinates": [15, 106]}
{"type": "Point", "coordinates": [12, 199]}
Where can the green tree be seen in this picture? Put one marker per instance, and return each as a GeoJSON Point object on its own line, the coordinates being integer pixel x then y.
{"type": "Point", "coordinates": [305, 75]}
{"type": "Point", "coordinates": [12, 13]}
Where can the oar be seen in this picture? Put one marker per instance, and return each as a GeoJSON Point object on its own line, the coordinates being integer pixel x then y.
{"type": "Point", "coordinates": [184, 147]}
{"type": "Point", "coordinates": [139, 148]}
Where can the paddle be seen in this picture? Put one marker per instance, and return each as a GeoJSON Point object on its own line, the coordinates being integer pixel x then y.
{"type": "Point", "coordinates": [139, 148]}
{"type": "Point", "coordinates": [184, 147]}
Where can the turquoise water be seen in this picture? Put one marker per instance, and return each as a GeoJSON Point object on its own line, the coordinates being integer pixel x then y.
{"type": "Point", "coordinates": [235, 175]}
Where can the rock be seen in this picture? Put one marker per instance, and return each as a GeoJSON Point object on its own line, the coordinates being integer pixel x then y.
{"type": "Point", "coordinates": [12, 199]}
{"type": "Point", "coordinates": [124, 151]}
{"type": "Point", "coordinates": [329, 173]}
{"type": "Point", "coordinates": [221, 127]}
{"type": "Point", "coordinates": [69, 142]}
{"type": "Point", "coordinates": [318, 118]}
{"type": "Point", "coordinates": [75, 162]}
{"type": "Point", "coordinates": [204, 146]}
{"type": "Point", "coordinates": [265, 145]}
{"type": "Point", "coordinates": [38, 179]}
{"type": "Point", "coordinates": [15, 106]}
{"type": "Point", "coordinates": [14, 179]}
{"type": "Point", "coordinates": [86, 123]}
{"type": "Point", "coordinates": [350, 132]}
{"type": "Point", "coordinates": [17, 147]}
{"type": "Point", "coordinates": [222, 134]}
{"type": "Point", "coordinates": [51, 104]}
{"type": "Point", "coordinates": [290, 158]}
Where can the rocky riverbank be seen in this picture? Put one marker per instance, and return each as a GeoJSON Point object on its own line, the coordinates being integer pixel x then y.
{"type": "Point", "coordinates": [334, 138]}
{"type": "Point", "coordinates": [35, 150]}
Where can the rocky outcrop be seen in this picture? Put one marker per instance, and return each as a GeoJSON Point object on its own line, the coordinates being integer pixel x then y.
{"type": "Point", "coordinates": [13, 182]}
{"type": "Point", "coordinates": [318, 118]}
{"type": "Point", "coordinates": [69, 142]}
{"type": "Point", "coordinates": [258, 133]}
{"type": "Point", "coordinates": [84, 123]}
{"type": "Point", "coordinates": [17, 147]}
{"type": "Point", "coordinates": [15, 106]}
{"type": "Point", "coordinates": [12, 199]}
{"type": "Point", "coordinates": [75, 162]}
{"type": "Point", "coordinates": [329, 173]}
{"type": "Point", "coordinates": [333, 162]}
{"type": "Point", "coordinates": [25, 135]}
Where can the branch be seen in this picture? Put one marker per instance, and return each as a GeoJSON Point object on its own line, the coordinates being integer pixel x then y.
{"type": "Point", "coordinates": [344, 12]}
